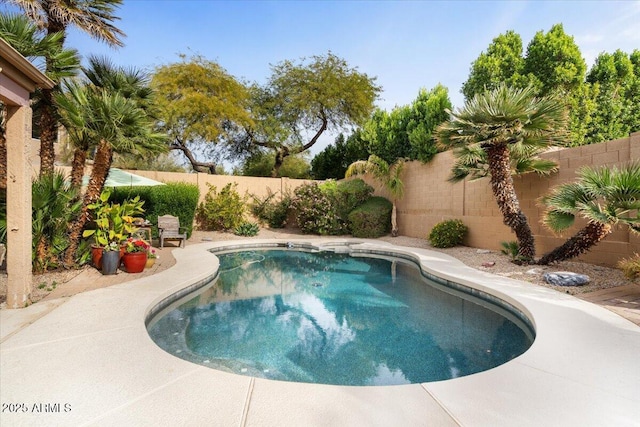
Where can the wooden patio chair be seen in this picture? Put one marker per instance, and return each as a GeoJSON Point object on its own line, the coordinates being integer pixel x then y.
{"type": "Point", "coordinates": [169, 229]}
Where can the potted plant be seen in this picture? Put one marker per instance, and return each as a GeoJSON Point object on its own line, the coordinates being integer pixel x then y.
{"type": "Point", "coordinates": [110, 258]}
{"type": "Point", "coordinates": [151, 257]}
{"type": "Point", "coordinates": [113, 224]}
{"type": "Point", "coordinates": [135, 255]}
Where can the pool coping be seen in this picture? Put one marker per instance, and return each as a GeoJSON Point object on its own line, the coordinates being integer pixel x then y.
{"type": "Point", "coordinates": [91, 354]}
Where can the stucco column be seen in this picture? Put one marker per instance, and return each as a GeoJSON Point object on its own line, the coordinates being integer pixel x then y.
{"type": "Point", "coordinates": [18, 206]}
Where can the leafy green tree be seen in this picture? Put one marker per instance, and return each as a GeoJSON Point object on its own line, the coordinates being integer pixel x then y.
{"type": "Point", "coordinates": [303, 100]}
{"type": "Point", "coordinates": [387, 175]}
{"type": "Point", "coordinates": [201, 108]}
{"type": "Point", "coordinates": [261, 164]}
{"type": "Point", "coordinates": [386, 134]}
{"type": "Point", "coordinates": [494, 121]}
{"type": "Point", "coordinates": [552, 64]}
{"type": "Point", "coordinates": [94, 17]}
{"type": "Point", "coordinates": [604, 197]}
{"type": "Point", "coordinates": [427, 111]}
{"type": "Point", "coordinates": [616, 83]}
{"type": "Point", "coordinates": [406, 131]}
{"type": "Point", "coordinates": [333, 161]}
{"type": "Point", "coordinates": [555, 60]}
{"type": "Point", "coordinates": [503, 62]}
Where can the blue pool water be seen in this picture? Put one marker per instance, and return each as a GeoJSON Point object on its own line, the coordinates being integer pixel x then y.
{"type": "Point", "coordinates": [332, 318]}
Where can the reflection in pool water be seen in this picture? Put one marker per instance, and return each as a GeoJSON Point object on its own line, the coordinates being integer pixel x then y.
{"type": "Point", "coordinates": [334, 319]}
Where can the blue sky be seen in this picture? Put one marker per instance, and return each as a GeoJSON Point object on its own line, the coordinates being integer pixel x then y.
{"type": "Point", "coordinates": [407, 45]}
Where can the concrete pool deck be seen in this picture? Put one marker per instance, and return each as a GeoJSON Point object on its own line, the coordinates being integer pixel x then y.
{"type": "Point", "coordinates": [88, 360]}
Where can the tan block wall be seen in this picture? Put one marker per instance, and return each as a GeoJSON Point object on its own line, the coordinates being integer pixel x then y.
{"type": "Point", "coordinates": [248, 185]}
{"type": "Point", "coordinates": [429, 199]}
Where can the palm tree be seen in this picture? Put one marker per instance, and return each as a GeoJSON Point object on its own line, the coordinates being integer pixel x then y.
{"type": "Point", "coordinates": [604, 197]}
{"type": "Point", "coordinates": [55, 203]}
{"type": "Point", "coordinates": [27, 39]}
{"type": "Point", "coordinates": [100, 74]}
{"type": "Point", "coordinates": [497, 122]}
{"type": "Point", "coordinates": [117, 124]}
{"type": "Point", "coordinates": [94, 17]}
{"type": "Point", "coordinates": [387, 175]}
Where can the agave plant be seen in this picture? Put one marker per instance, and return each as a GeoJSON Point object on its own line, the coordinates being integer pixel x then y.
{"type": "Point", "coordinates": [604, 197]}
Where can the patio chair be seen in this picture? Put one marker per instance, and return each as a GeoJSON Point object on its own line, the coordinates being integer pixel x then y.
{"type": "Point", "coordinates": [169, 229]}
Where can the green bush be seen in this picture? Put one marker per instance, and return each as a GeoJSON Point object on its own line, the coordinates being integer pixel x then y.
{"type": "Point", "coordinates": [176, 198]}
{"type": "Point", "coordinates": [372, 218]}
{"type": "Point", "coordinates": [247, 229]}
{"type": "Point", "coordinates": [54, 205]}
{"type": "Point", "coordinates": [447, 234]}
{"type": "Point", "coordinates": [221, 211]}
{"type": "Point", "coordinates": [347, 195]}
{"type": "Point", "coordinates": [273, 212]}
{"type": "Point", "coordinates": [324, 209]}
{"type": "Point", "coordinates": [315, 213]}
{"type": "Point", "coordinates": [510, 249]}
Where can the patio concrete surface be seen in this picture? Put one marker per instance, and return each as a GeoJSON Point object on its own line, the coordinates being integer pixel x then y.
{"type": "Point", "coordinates": [88, 360]}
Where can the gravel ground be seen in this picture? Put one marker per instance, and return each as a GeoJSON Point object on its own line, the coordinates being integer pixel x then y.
{"type": "Point", "coordinates": [600, 277]}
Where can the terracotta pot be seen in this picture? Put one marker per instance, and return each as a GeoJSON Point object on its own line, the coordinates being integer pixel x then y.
{"type": "Point", "coordinates": [134, 262]}
{"type": "Point", "coordinates": [96, 256]}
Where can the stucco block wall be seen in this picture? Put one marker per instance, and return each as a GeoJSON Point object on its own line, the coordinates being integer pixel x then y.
{"type": "Point", "coordinates": [256, 186]}
{"type": "Point", "coordinates": [429, 198]}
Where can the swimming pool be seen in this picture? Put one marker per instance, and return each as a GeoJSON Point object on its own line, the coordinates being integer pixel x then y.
{"type": "Point", "coordinates": [338, 318]}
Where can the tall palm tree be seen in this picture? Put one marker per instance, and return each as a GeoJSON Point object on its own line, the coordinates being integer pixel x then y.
{"type": "Point", "coordinates": [604, 197]}
{"type": "Point", "coordinates": [100, 74]}
{"type": "Point", "coordinates": [497, 122]}
{"type": "Point", "coordinates": [94, 17]}
{"type": "Point", "coordinates": [387, 175]}
{"type": "Point", "coordinates": [26, 38]}
{"type": "Point", "coordinates": [117, 124]}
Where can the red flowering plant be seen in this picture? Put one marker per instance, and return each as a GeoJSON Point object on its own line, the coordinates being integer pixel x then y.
{"type": "Point", "coordinates": [135, 245]}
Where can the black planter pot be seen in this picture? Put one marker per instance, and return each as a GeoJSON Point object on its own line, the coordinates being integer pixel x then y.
{"type": "Point", "coordinates": [110, 262]}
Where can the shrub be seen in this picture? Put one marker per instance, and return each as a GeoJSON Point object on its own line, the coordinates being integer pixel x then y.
{"type": "Point", "coordinates": [447, 234]}
{"type": "Point", "coordinates": [272, 211]}
{"type": "Point", "coordinates": [221, 211]}
{"type": "Point", "coordinates": [510, 249]}
{"type": "Point", "coordinates": [247, 229]}
{"type": "Point", "coordinates": [347, 195]}
{"type": "Point", "coordinates": [54, 204]}
{"type": "Point", "coordinates": [177, 198]}
{"type": "Point", "coordinates": [314, 211]}
{"type": "Point", "coordinates": [372, 218]}
{"type": "Point", "coordinates": [630, 267]}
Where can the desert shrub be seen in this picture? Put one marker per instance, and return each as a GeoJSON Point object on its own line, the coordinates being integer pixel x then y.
{"type": "Point", "coordinates": [372, 218]}
{"type": "Point", "coordinates": [175, 198]}
{"type": "Point", "coordinates": [247, 229]}
{"type": "Point", "coordinates": [314, 211]}
{"type": "Point", "coordinates": [447, 234]}
{"type": "Point", "coordinates": [630, 267]}
{"type": "Point", "coordinates": [270, 210]}
{"type": "Point", "coordinates": [510, 248]}
{"type": "Point", "coordinates": [221, 211]}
